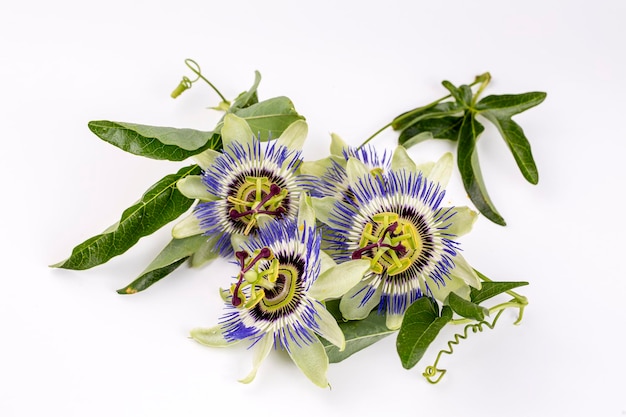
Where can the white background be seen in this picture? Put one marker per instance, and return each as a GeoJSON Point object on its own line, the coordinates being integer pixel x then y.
{"type": "Point", "coordinates": [71, 346]}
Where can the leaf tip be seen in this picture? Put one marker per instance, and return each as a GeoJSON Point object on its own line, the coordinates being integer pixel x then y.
{"type": "Point", "coordinates": [127, 290]}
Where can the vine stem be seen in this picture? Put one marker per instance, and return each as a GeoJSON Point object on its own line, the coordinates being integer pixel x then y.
{"type": "Point", "coordinates": [483, 79]}
{"type": "Point", "coordinates": [195, 68]}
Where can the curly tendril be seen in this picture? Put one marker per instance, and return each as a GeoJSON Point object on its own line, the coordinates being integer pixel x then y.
{"type": "Point", "coordinates": [186, 83]}
{"type": "Point", "coordinates": [433, 374]}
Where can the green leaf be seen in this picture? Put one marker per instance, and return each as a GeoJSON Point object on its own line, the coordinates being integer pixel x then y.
{"type": "Point", "coordinates": [507, 105]}
{"type": "Point", "coordinates": [420, 326]}
{"type": "Point", "coordinates": [462, 95]}
{"type": "Point", "coordinates": [498, 110]}
{"type": "Point", "coordinates": [160, 204]}
{"type": "Point", "coordinates": [248, 98]}
{"type": "Point", "coordinates": [490, 289]}
{"type": "Point", "coordinates": [359, 334]}
{"type": "Point", "coordinates": [170, 258]}
{"type": "Point", "coordinates": [155, 142]}
{"type": "Point", "coordinates": [465, 308]}
{"type": "Point", "coordinates": [269, 118]}
{"type": "Point", "coordinates": [467, 161]}
{"type": "Point", "coordinates": [447, 108]}
{"type": "Point", "coordinates": [439, 128]}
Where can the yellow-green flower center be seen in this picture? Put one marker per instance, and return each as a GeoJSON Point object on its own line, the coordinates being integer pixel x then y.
{"type": "Point", "coordinates": [273, 284]}
{"type": "Point", "coordinates": [391, 244]}
{"type": "Point", "coordinates": [255, 196]}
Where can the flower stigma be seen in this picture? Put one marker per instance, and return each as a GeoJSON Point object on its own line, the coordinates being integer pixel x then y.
{"type": "Point", "coordinates": [392, 246]}
{"type": "Point", "coordinates": [255, 196]}
{"type": "Point", "coordinates": [251, 276]}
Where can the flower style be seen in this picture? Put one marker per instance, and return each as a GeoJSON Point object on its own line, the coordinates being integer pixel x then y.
{"type": "Point", "coordinates": [397, 223]}
{"type": "Point", "coordinates": [274, 301]}
{"type": "Point", "coordinates": [245, 185]}
{"type": "Point", "coordinates": [327, 178]}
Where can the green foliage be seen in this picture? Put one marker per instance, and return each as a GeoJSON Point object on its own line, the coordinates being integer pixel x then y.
{"type": "Point", "coordinates": [359, 334]}
{"type": "Point", "coordinates": [154, 141]}
{"type": "Point", "coordinates": [455, 120]}
{"type": "Point", "coordinates": [159, 205]}
{"type": "Point", "coordinates": [420, 326]}
{"type": "Point", "coordinates": [269, 118]}
{"type": "Point", "coordinates": [170, 258]}
{"type": "Point", "coordinates": [465, 308]}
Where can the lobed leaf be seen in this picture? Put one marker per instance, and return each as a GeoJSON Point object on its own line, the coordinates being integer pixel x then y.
{"type": "Point", "coordinates": [269, 118]}
{"type": "Point", "coordinates": [518, 144]}
{"type": "Point", "coordinates": [507, 105]}
{"type": "Point", "coordinates": [160, 204]}
{"type": "Point", "coordinates": [447, 108]}
{"type": "Point", "coordinates": [439, 128]}
{"type": "Point", "coordinates": [420, 326]}
{"type": "Point", "coordinates": [166, 262]}
{"type": "Point", "coordinates": [469, 168]}
{"type": "Point", "coordinates": [155, 142]}
{"type": "Point", "coordinates": [462, 95]}
{"type": "Point", "coordinates": [359, 334]}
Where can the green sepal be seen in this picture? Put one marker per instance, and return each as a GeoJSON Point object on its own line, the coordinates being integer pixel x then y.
{"type": "Point", "coordinates": [420, 327]}
{"type": "Point", "coordinates": [465, 308]}
{"type": "Point", "coordinates": [469, 167]}
{"type": "Point", "coordinates": [359, 334]}
{"type": "Point", "coordinates": [155, 142]}
{"type": "Point", "coordinates": [270, 118]}
{"type": "Point", "coordinates": [170, 258]}
{"type": "Point", "coordinates": [160, 204]}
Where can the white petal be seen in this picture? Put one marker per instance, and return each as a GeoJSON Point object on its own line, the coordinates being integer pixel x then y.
{"type": "Point", "coordinates": [261, 350]}
{"type": "Point", "coordinates": [328, 327]}
{"type": "Point", "coordinates": [356, 169]}
{"type": "Point", "coordinates": [306, 214]}
{"type": "Point", "coordinates": [327, 262]}
{"type": "Point", "coordinates": [235, 129]}
{"type": "Point", "coordinates": [323, 207]}
{"type": "Point", "coordinates": [462, 221]}
{"type": "Point", "coordinates": [192, 187]}
{"type": "Point", "coordinates": [206, 158]}
{"type": "Point", "coordinates": [189, 226]}
{"type": "Point", "coordinates": [402, 160]}
{"type": "Point", "coordinates": [350, 305]}
{"type": "Point", "coordinates": [442, 170]}
{"type": "Point", "coordinates": [425, 168]}
{"type": "Point", "coordinates": [337, 145]}
{"type": "Point", "coordinates": [293, 137]}
{"type": "Point", "coordinates": [393, 320]}
{"type": "Point", "coordinates": [337, 280]}
{"type": "Point", "coordinates": [312, 361]}
{"type": "Point", "coordinates": [463, 270]}
{"type": "Point", "coordinates": [455, 284]}
{"type": "Point", "coordinates": [211, 337]}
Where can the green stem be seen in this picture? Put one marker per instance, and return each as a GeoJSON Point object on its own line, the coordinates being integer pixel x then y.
{"type": "Point", "coordinates": [374, 135]}
{"type": "Point", "coordinates": [191, 64]}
